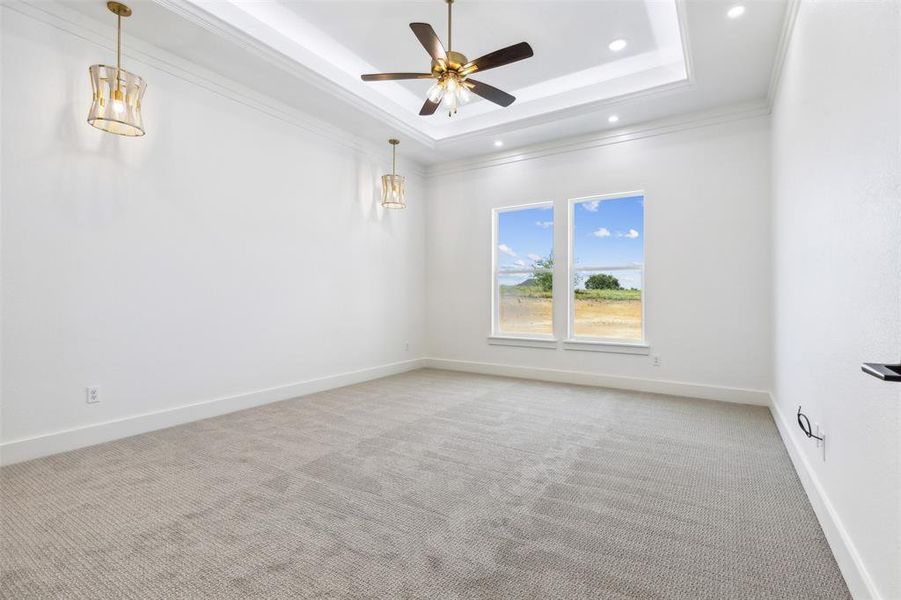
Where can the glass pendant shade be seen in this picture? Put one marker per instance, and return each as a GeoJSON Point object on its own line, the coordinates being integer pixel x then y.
{"type": "Point", "coordinates": [116, 106]}
{"type": "Point", "coordinates": [394, 191]}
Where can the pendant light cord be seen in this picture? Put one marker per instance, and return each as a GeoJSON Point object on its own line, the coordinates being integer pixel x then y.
{"type": "Point", "coordinates": [394, 160]}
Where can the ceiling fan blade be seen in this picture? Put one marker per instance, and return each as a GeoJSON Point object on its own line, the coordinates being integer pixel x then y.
{"type": "Point", "coordinates": [429, 108]}
{"type": "Point", "coordinates": [429, 40]}
{"type": "Point", "coordinates": [489, 92]}
{"type": "Point", "coordinates": [393, 76]}
{"type": "Point", "coordinates": [499, 58]}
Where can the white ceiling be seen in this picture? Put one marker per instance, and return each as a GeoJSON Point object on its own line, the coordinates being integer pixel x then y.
{"type": "Point", "coordinates": [341, 40]}
{"type": "Point", "coordinates": [682, 56]}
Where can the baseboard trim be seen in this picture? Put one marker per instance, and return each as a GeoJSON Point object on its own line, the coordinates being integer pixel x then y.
{"type": "Point", "coordinates": [638, 384]}
{"type": "Point", "coordinates": [860, 584]}
{"type": "Point", "coordinates": [23, 449]}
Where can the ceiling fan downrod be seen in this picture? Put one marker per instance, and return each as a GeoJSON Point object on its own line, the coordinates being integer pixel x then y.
{"type": "Point", "coordinates": [450, 20]}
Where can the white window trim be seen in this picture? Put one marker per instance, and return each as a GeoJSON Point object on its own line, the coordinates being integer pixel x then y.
{"type": "Point", "coordinates": [594, 344]}
{"type": "Point", "coordinates": [523, 341]}
{"type": "Point", "coordinates": [606, 346]}
{"type": "Point", "coordinates": [563, 297]}
{"type": "Point", "coordinates": [497, 336]}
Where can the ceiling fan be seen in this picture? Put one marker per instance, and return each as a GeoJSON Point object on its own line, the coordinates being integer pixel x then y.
{"type": "Point", "coordinates": [452, 70]}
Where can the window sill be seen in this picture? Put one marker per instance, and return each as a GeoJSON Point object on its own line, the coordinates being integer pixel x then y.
{"type": "Point", "coordinates": [614, 347]}
{"type": "Point", "coordinates": [523, 342]}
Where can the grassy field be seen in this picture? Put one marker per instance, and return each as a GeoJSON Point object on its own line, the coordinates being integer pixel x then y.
{"type": "Point", "coordinates": [598, 313]}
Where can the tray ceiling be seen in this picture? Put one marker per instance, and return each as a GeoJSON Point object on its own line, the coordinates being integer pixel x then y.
{"type": "Point", "coordinates": [682, 57]}
{"type": "Point", "coordinates": [573, 65]}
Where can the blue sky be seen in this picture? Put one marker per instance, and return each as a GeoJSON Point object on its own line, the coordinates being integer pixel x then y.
{"type": "Point", "coordinates": [606, 233]}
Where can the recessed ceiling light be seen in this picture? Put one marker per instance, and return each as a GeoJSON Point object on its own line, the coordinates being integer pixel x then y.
{"type": "Point", "coordinates": [617, 45]}
{"type": "Point", "coordinates": [612, 119]}
{"type": "Point", "coordinates": [735, 12]}
{"type": "Point", "coordinates": [498, 143]}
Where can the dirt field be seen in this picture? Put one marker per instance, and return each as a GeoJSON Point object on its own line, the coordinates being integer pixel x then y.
{"type": "Point", "coordinates": [619, 319]}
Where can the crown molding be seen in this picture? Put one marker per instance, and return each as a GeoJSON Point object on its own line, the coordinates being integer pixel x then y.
{"type": "Point", "coordinates": [64, 19]}
{"type": "Point", "coordinates": [212, 24]}
{"type": "Point", "coordinates": [788, 28]}
{"type": "Point", "coordinates": [59, 16]}
{"type": "Point", "coordinates": [667, 126]}
{"type": "Point", "coordinates": [195, 14]}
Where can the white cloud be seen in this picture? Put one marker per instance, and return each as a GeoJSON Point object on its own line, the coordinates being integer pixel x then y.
{"type": "Point", "coordinates": [631, 234]}
{"type": "Point", "coordinates": [520, 262]}
{"type": "Point", "coordinates": [591, 206]}
{"type": "Point", "coordinates": [602, 232]}
{"type": "Point", "coordinates": [506, 250]}
{"type": "Point", "coordinates": [544, 224]}
{"type": "Point", "coordinates": [535, 257]}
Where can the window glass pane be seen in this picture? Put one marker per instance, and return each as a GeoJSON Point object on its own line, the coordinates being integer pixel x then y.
{"type": "Point", "coordinates": [525, 237]}
{"type": "Point", "coordinates": [525, 304]}
{"type": "Point", "coordinates": [608, 233]}
{"type": "Point", "coordinates": [525, 242]}
{"type": "Point", "coordinates": [607, 304]}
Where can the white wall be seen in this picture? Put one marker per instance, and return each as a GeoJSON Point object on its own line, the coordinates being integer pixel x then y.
{"type": "Point", "coordinates": [706, 244]}
{"type": "Point", "coordinates": [199, 262]}
{"type": "Point", "coordinates": [837, 266]}
{"type": "Point", "coordinates": [224, 253]}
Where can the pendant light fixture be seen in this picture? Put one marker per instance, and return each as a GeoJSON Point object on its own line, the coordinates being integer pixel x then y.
{"type": "Point", "coordinates": [393, 186]}
{"type": "Point", "coordinates": [116, 106]}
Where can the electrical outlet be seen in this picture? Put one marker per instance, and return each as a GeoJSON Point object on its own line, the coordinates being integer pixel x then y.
{"type": "Point", "coordinates": [93, 394]}
{"type": "Point", "coordinates": [655, 360]}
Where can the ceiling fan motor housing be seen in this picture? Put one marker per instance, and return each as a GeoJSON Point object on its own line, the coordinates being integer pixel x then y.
{"type": "Point", "coordinates": [455, 62]}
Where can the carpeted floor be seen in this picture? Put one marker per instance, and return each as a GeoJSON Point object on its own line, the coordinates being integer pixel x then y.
{"type": "Point", "coordinates": [426, 485]}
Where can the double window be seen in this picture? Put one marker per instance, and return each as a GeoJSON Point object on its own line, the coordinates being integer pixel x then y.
{"type": "Point", "coordinates": [592, 288]}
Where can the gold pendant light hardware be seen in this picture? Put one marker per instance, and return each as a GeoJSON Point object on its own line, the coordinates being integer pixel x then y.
{"type": "Point", "coordinates": [117, 97]}
{"type": "Point", "coordinates": [394, 142]}
{"type": "Point", "coordinates": [394, 186]}
{"type": "Point", "coordinates": [117, 8]}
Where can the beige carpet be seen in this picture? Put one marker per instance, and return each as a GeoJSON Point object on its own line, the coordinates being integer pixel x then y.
{"type": "Point", "coordinates": [426, 485]}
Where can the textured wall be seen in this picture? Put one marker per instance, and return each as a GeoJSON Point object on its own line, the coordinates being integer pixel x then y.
{"type": "Point", "coordinates": [837, 264]}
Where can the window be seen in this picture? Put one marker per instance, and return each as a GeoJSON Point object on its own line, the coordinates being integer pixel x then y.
{"type": "Point", "coordinates": [607, 268]}
{"type": "Point", "coordinates": [522, 273]}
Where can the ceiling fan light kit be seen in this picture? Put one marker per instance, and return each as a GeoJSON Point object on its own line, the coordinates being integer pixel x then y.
{"type": "Point", "coordinates": [451, 70]}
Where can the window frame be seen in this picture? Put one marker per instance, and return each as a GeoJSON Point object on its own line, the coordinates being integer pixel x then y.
{"type": "Point", "coordinates": [497, 336]}
{"type": "Point", "coordinates": [583, 342]}
{"type": "Point", "coordinates": [563, 297]}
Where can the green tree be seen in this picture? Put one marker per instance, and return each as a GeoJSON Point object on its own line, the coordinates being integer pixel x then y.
{"type": "Point", "coordinates": [602, 281]}
{"type": "Point", "coordinates": [544, 280]}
